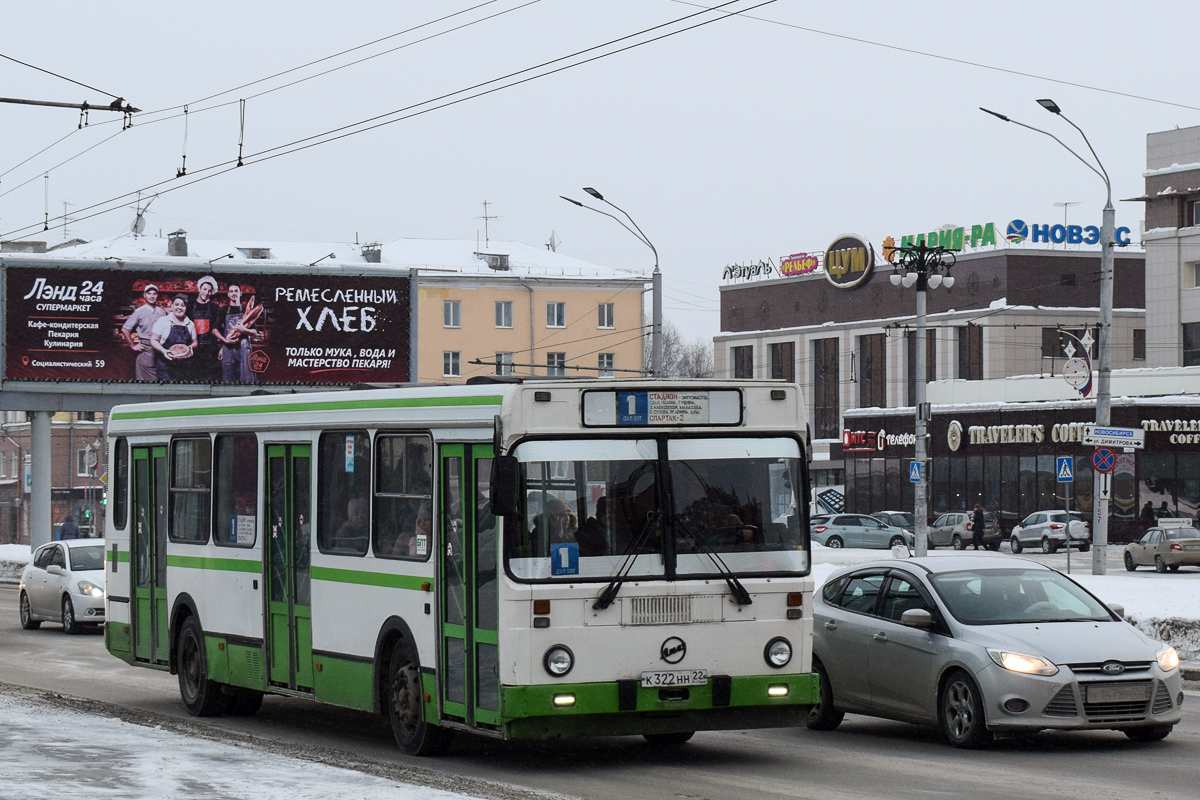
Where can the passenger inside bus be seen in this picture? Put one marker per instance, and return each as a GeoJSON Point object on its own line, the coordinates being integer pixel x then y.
{"type": "Point", "coordinates": [351, 535]}
{"type": "Point", "coordinates": [556, 522]}
{"type": "Point", "coordinates": [414, 542]}
{"type": "Point", "coordinates": [594, 535]}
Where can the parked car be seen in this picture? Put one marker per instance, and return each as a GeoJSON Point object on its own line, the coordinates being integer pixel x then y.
{"type": "Point", "coordinates": [1168, 547]}
{"type": "Point", "coordinates": [1048, 530]}
{"type": "Point", "coordinates": [897, 519]}
{"type": "Point", "coordinates": [64, 583]}
{"type": "Point", "coordinates": [954, 530]}
{"type": "Point", "coordinates": [980, 644]}
{"type": "Point", "coordinates": [856, 530]}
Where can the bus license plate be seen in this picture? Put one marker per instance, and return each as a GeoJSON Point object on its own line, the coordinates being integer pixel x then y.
{"type": "Point", "coordinates": [686, 677]}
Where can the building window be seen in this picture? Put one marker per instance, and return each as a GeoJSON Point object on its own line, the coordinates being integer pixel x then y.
{"type": "Point", "coordinates": [970, 353]}
{"type": "Point", "coordinates": [604, 314]}
{"type": "Point", "coordinates": [451, 314]}
{"type": "Point", "coordinates": [1139, 344]}
{"type": "Point", "coordinates": [605, 365]}
{"type": "Point", "coordinates": [504, 364]}
{"type": "Point", "coordinates": [556, 315]}
{"type": "Point", "coordinates": [783, 361]}
{"type": "Point", "coordinates": [82, 468]}
{"type": "Point", "coordinates": [872, 372]}
{"type": "Point", "coordinates": [1191, 344]}
{"type": "Point", "coordinates": [826, 389]}
{"type": "Point", "coordinates": [556, 364]}
{"type": "Point", "coordinates": [191, 484]}
{"type": "Point", "coordinates": [930, 361]}
{"type": "Point", "coordinates": [451, 364]}
{"type": "Point", "coordinates": [743, 362]}
{"type": "Point", "coordinates": [504, 314]}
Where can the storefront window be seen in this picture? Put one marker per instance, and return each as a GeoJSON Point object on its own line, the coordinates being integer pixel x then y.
{"type": "Point", "coordinates": [941, 486]}
{"type": "Point", "coordinates": [893, 486]}
{"type": "Point", "coordinates": [1124, 490]}
{"type": "Point", "coordinates": [1157, 484]}
{"type": "Point", "coordinates": [1081, 492]}
{"type": "Point", "coordinates": [975, 492]}
{"type": "Point", "coordinates": [958, 484]}
{"type": "Point", "coordinates": [1187, 485]}
{"type": "Point", "coordinates": [1010, 503]}
{"type": "Point", "coordinates": [1027, 496]}
{"type": "Point", "coordinates": [991, 484]}
{"type": "Point", "coordinates": [1047, 483]}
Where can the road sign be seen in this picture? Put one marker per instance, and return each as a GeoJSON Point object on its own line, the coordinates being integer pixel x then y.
{"type": "Point", "coordinates": [1103, 460]}
{"type": "Point", "coordinates": [1065, 469]}
{"type": "Point", "coordinates": [914, 472]}
{"type": "Point", "coordinates": [1105, 486]}
{"type": "Point", "coordinates": [1097, 436]}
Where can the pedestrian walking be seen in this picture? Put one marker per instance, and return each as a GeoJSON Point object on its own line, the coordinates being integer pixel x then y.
{"type": "Point", "coordinates": [977, 524]}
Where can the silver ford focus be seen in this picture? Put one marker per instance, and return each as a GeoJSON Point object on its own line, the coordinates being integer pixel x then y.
{"type": "Point", "coordinates": [982, 645]}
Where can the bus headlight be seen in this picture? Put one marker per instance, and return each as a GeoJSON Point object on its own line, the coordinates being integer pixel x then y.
{"type": "Point", "coordinates": [558, 660]}
{"type": "Point", "coordinates": [778, 652]}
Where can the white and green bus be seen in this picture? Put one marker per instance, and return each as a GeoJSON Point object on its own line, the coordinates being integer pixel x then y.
{"type": "Point", "coordinates": [521, 559]}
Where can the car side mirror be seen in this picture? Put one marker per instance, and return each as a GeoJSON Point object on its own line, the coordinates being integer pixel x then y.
{"type": "Point", "coordinates": [917, 618]}
{"type": "Point", "coordinates": [54, 569]}
{"type": "Point", "coordinates": [506, 486]}
{"type": "Point", "coordinates": [1117, 609]}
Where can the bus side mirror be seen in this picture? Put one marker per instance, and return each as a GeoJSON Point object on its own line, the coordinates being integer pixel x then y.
{"type": "Point", "coordinates": [506, 486]}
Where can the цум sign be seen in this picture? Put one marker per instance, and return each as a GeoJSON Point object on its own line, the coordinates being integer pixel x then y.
{"type": "Point", "coordinates": [849, 262]}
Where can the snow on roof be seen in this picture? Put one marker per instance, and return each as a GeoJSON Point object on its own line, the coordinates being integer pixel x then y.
{"type": "Point", "coordinates": [442, 255]}
{"type": "Point", "coordinates": [1170, 169]}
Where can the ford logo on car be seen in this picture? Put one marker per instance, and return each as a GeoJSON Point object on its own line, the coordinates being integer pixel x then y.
{"type": "Point", "coordinates": [1112, 668]}
{"type": "Point", "coordinates": [673, 650]}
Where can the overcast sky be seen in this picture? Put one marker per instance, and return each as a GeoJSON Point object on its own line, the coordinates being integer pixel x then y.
{"type": "Point", "coordinates": [739, 140]}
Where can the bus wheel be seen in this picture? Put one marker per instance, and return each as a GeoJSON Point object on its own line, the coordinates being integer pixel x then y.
{"type": "Point", "coordinates": [668, 738]}
{"type": "Point", "coordinates": [405, 704]}
{"type": "Point", "coordinates": [243, 703]}
{"type": "Point", "coordinates": [201, 696]}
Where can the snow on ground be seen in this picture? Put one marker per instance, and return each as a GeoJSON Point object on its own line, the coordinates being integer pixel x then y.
{"type": "Point", "coordinates": [15, 552]}
{"type": "Point", "coordinates": [51, 752]}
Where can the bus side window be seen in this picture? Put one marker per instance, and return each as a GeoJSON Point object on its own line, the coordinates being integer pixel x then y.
{"type": "Point", "coordinates": [191, 486]}
{"type": "Point", "coordinates": [403, 514]}
{"type": "Point", "coordinates": [120, 483]}
{"type": "Point", "coordinates": [344, 489]}
{"type": "Point", "coordinates": [237, 490]}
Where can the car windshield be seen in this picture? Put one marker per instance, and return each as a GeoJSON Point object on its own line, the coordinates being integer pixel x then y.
{"type": "Point", "coordinates": [1006, 595]}
{"type": "Point", "coordinates": [589, 504]}
{"type": "Point", "coordinates": [85, 558]}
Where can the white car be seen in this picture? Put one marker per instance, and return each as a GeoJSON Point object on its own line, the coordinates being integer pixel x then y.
{"type": "Point", "coordinates": [64, 583]}
{"type": "Point", "coordinates": [1048, 530]}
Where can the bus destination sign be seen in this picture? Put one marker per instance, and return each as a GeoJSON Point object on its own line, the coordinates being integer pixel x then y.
{"type": "Point", "coordinates": [662, 408]}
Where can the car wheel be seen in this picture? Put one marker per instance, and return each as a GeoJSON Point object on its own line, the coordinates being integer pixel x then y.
{"type": "Point", "coordinates": [834, 541]}
{"type": "Point", "coordinates": [1173, 567]}
{"type": "Point", "coordinates": [1048, 546]}
{"type": "Point", "coordinates": [668, 738]}
{"type": "Point", "coordinates": [962, 712]}
{"type": "Point", "coordinates": [1015, 544]}
{"type": "Point", "coordinates": [897, 540]}
{"type": "Point", "coordinates": [405, 706]}
{"type": "Point", "coordinates": [823, 716]}
{"type": "Point", "coordinates": [958, 543]}
{"type": "Point", "coordinates": [243, 703]}
{"type": "Point", "coordinates": [1159, 565]}
{"type": "Point", "coordinates": [1129, 565]}
{"type": "Point", "coordinates": [1153, 733]}
{"type": "Point", "coordinates": [201, 697]}
{"type": "Point", "coordinates": [70, 626]}
{"type": "Point", "coordinates": [994, 547]}
{"type": "Point", "coordinates": [27, 620]}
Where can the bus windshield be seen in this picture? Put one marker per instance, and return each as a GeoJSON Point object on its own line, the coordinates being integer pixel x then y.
{"type": "Point", "coordinates": [589, 504]}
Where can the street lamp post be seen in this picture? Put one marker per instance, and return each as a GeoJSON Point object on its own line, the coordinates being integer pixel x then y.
{"type": "Point", "coordinates": [656, 279]}
{"type": "Point", "coordinates": [1108, 240]}
{"type": "Point", "coordinates": [925, 268]}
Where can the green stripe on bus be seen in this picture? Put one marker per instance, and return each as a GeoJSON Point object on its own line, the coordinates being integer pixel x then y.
{"type": "Point", "coordinates": [224, 564]}
{"type": "Point", "coordinates": [368, 578]}
{"type": "Point", "coordinates": [335, 405]}
{"type": "Point", "coordinates": [122, 556]}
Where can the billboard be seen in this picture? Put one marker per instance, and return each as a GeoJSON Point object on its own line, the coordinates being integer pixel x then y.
{"type": "Point", "coordinates": [143, 325]}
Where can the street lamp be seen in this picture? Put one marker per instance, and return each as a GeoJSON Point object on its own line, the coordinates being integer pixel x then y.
{"type": "Point", "coordinates": [1108, 237]}
{"type": "Point", "coordinates": [656, 285]}
{"type": "Point", "coordinates": [925, 268]}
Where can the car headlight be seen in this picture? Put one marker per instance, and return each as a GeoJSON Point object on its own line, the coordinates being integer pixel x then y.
{"type": "Point", "coordinates": [1019, 662]}
{"type": "Point", "coordinates": [778, 652]}
{"type": "Point", "coordinates": [558, 660]}
{"type": "Point", "coordinates": [90, 589]}
{"type": "Point", "coordinates": [1167, 659]}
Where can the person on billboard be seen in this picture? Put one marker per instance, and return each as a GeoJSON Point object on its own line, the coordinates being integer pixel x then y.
{"type": "Point", "coordinates": [235, 336]}
{"type": "Point", "coordinates": [206, 317]}
{"type": "Point", "coordinates": [174, 341]}
{"type": "Point", "coordinates": [141, 322]}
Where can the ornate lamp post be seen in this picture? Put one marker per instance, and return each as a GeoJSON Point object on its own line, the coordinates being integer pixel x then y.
{"type": "Point", "coordinates": [1108, 240]}
{"type": "Point", "coordinates": [922, 267]}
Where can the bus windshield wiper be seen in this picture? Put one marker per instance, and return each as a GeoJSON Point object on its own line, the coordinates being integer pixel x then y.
{"type": "Point", "coordinates": [610, 592]}
{"type": "Point", "coordinates": [740, 595]}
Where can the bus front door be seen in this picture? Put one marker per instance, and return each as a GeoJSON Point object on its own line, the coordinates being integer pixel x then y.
{"type": "Point", "coordinates": [288, 578]}
{"type": "Point", "coordinates": [470, 669]}
{"type": "Point", "coordinates": [150, 639]}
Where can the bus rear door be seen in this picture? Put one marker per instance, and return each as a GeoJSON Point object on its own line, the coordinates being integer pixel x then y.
{"type": "Point", "coordinates": [150, 640]}
{"type": "Point", "coordinates": [288, 579]}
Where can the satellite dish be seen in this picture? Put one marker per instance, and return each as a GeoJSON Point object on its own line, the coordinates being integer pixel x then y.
{"type": "Point", "coordinates": [138, 225]}
{"type": "Point", "coordinates": [139, 222]}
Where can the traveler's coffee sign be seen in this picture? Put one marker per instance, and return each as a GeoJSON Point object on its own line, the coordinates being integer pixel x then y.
{"type": "Point", "coordinates": [849, 262]}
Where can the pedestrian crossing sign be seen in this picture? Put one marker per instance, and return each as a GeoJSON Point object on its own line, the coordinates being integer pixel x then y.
{"type": "Point", "coordinates": [1066, 473]}
{"type": "Point", "coordinates": [914, 472]}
